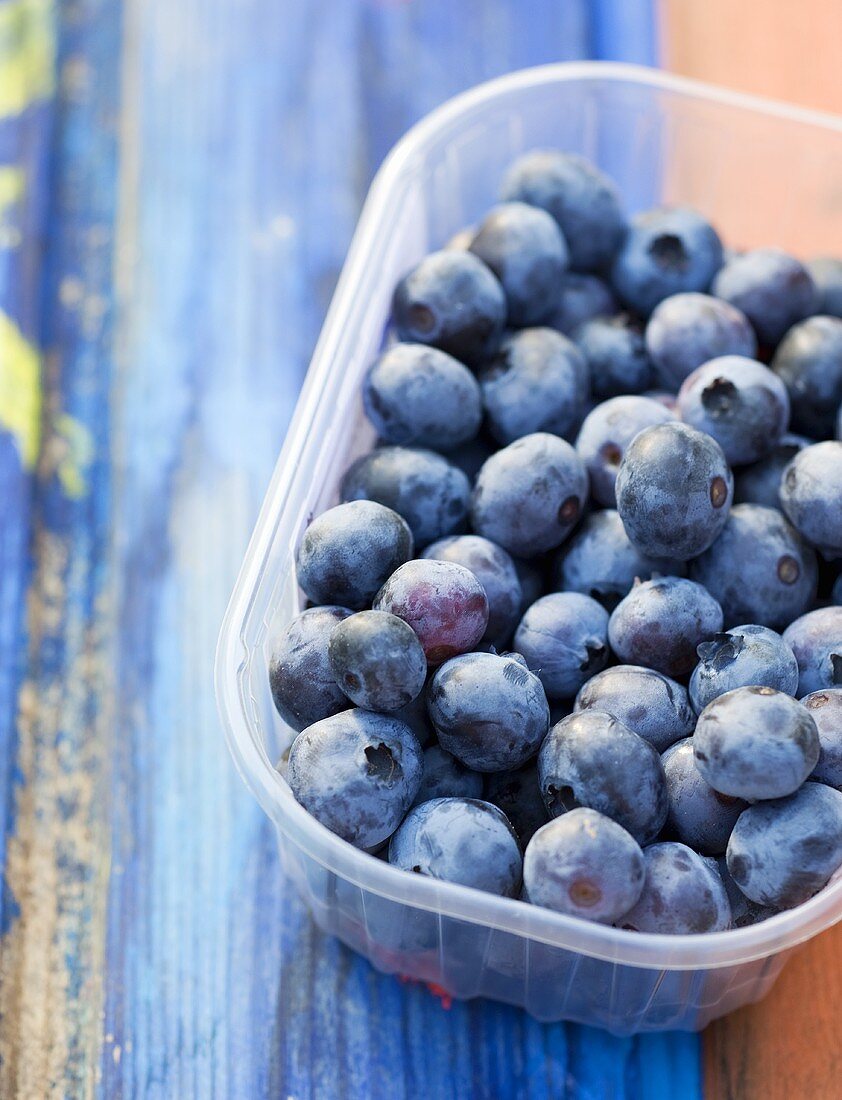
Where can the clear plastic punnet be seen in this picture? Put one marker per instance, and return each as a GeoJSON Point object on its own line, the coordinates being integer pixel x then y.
{"type": "Point", "coordinates": [765, 174]}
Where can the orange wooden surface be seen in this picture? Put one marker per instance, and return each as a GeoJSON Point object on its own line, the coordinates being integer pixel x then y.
{"type": "Point", "coordinates": [789, 1047]}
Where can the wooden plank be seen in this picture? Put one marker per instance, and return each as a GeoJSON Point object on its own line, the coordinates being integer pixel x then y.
{"type": "Point", "coordinates": [788, 1045]}
{"type": "Point", "coordinates": [153, 947]}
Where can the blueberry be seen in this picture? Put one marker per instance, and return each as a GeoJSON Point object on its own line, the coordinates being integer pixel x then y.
{"type": "Point", "coordinates": [652, 705]}
{"type": "Point", "coordinates": [771, 288]}
{"type": "Point", "coordinates": [600, 561]}
{"type": "Point", "coordinates": [616, 355]}
{"type": "Point", "coordinates": [451, 300]}
{"type": "Point", "coordinates": [760, 569]}
{"type": "Point", "coordinates": [755, 742]}
{"type": "Point", "coordinates": [811, 495]}
{"type": "Point", "coordinates": [538, 381]}
{"type": "Point", "coordinates": [674, 491]}
{"type": "Point", "coordinates": [525, 249]}
{"type": "Point", "coordinates": [518, 795]}
{"type": "Point", "coordinates": [681, 894]}
{"type": "Point", "coordinates": [825, 708]}
{"type": "Point", "coordinates": [348, 551]}
{"type": "Point", "coordinates": [661, 622]}
{"type": "Point", "coordinates": [564, 639]}
{"type": "Point", "coordinates": [605, 435]}
{"type": "Point", "coordinates": [583, 201]}
{"type": "Point", "coordinates": [586, 865]}
{"type": "Point", "coordinates": [761, 482]}
{"type": "Point", "coordinates": [816, 641]}
{"type": "Point", "coordinates": [419, 396]}
{"type": "Point", "coordinates": [579, 298]}
{"type": "Point", "coordinates": [809, 363]}
{"type": "Point", "coordinates": [377, 660]}
{"type": "Point", "coordinates": [495, 571]}
{"type": "Point", "coordinates": [529, 496]}
{"type": "Point", "coordinates": [688, 330]}
{"type": "Point", "coordinates": [430, 493]}
{"type": "Point", "coordinates": [303, 687]}
{"type": "Point", "coordinates": [591, 759]}
{"type": "Point", "coordinates": [740, 403]}
{"type": "Point", "coordinates": [743, 657]}
{"type": "Point", "coordinates": [784, 851]}
{"type": "Point", "coordinates": [446, 777]}
{"type": "Point", "coordinates": [357, 773]}
{"type": "Point", "coordinates": [699, 816]}
{"type": "Point", "coordinates": [462, 840]}
{"type": "Point", "coordinates": [490, 712]}
{"type": "Point", "coordinates": [743, 911]}
{"type": "Point", "coordinates": [666, 251]}
{"type": "Point", "coordinates": [443, 602]}
{"type": "Point", "coordinates": [827, 275]}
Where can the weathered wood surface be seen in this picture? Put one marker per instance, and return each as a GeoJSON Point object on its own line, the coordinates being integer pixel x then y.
{"type": "Point", "coordinates": [192, 173]}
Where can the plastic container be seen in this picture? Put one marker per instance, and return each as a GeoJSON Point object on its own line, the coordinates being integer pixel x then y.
{"type": "Point", "coordinates": [661, 138]}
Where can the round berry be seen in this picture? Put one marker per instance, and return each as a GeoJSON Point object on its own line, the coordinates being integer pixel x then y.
{"type": "Point", "coordinates": [377, 660]}
{"type": "Point", "coordinates": [303, 686]}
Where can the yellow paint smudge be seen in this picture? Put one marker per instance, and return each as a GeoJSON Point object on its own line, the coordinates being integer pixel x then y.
{"type": "Point", "coordinates": [27, 53]}
{"type": "Point", "coordinates": [20, 390]}
{"type": "Point", "coordinates": [12, 180]}
{"type": "Point", "coordinates": [76, 457]}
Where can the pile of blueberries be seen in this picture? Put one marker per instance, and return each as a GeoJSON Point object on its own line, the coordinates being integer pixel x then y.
{"type": "Point", "coordinates": [575, 632]}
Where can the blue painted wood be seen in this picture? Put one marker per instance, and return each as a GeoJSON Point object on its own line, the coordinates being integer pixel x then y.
{"type": "Point", "coordinates": [248, 132]}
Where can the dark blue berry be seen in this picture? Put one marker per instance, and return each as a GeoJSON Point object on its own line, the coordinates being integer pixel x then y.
{"type": "Point", "coordinates": [616, 355]}
{"type": "Point", "coordinates": [688, 330]}
{"type": "Point", "coordinates": [446, 777]}
{"type": "Point", "coordinates": [303, 687]}
{"type": "Point", "coordinates": [661, 622]}
{"type": "Point", "coordinates": [825, 707]}
{"type": "Point", "coordinates": [682, 894]}
{"type": "Point", "coordinates": [564, 640]}
{"type": "Point", "coordinates": [357, 773]}
{"type": "Point", "coordinates": [760, 569]}
{"type": "Point", "coordinates": [490, 712]}
{"type": "Point", "coordinates": [674, 490]}
{"type": "Point", "coordinates": [811, 496]}
{"type": "Point", "coordinates": [698, 815]}
{"type": "Point", "coordinates": [377, 660]}
{"type": "Point", "coordinates": [771, 288]}
{"type": "Point", "coordinates": [605, 435]}
{"type": "Point", "coordinates": [537, 382]}
{"type": "Point", "coordinates": [652, 705]}
{"type": "Point", "coordinates": [827, 275]}
{"type": "Point", "coordinates": [583, 201]}
{"type": "Point", "coordinates": [761, 482]}
{"type": "Point", "coordinates": [591, 759]}
{"type": "Point", "coordinates": [809, 363]}
{"type": "Point", "coordinates": [744, 656]}
{"type": "Point", "coordinates": [451, 300]}
{"type": "Point", "coordinates": [666, 251]}
{"type": "Point", "coordinates": [755, 742]}
{"type": "Point", "coordinates": [530, 495]}
{"type": "Point", "coordinates": [600, 561]}
{"type": "Point", "coordinates": [430, 493]}
{"type": "Point", "coordinates": [816, 641]}
{"type": "Point", "coordinates": [784, 851]}
{"type": "Point", "coordinates": [586, 865]}
{"type": "Point", "coordinates": [348, 552]}
{"type": "Point", "coordinates": [462, 840]}
{"type": "Point", "coordinates": [740, 403]}
{"type": "Point", "coordinates": [419, 396]}
{"type": "Point", "coordinates": [579, 298]}
{"type": "Point", "coordinates": [525, 249]}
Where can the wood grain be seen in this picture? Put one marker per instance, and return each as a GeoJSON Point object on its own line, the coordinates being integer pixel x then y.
{"type": "Point", "coordinates": [779, 49]}
{"type": "Point", "coordinates": [201, 168]}
{"type": "Point", "coordinates": [787, 1045]}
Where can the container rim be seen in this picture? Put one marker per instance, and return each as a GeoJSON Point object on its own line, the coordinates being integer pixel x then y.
{"type": "Point", "coordinates": [644, 950]}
